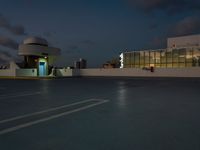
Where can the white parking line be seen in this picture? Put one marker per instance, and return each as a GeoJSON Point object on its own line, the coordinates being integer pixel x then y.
{"type": "Point", "coordinates": [99, 102]}
{"type": "Point", "coordinates": [48, 110]}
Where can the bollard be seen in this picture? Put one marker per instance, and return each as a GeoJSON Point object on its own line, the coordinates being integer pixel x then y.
{"type": "Point", "coordinates": [152, 69]}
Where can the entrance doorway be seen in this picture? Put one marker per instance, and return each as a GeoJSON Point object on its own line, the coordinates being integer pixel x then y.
{"type": "Point", "coordinates": [42, 69]}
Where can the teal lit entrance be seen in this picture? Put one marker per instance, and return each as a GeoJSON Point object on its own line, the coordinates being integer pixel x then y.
{"type": "Point", "coordinates": [42, 69]}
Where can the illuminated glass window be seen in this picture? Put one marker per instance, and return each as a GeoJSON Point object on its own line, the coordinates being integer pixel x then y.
{"type": "Point", "coordinates": [196, 56]}
{"type": "Point", "coordinates": [125, 63]}
{"type": "Point", "coordinates": [137, 59]}
{"type": "Point", "coordinates": [152, 58]}
{"type": "Point", "coordinates": [189, 55]}
{"type": "Point", "coordinates": [142, 58]}
{"type": "Point", "coordinates": [146, 58]}
{"type": "Point", "coordinates": [126, 60]}
{"type": "Point", "coordinates": [163, 58]}
{"type": "Point", "coordinates": [182, 60]}
{"type": "Point", "coordinates": [175, 58]}
{"type": "Point", "coordinates": [157, 58]}
{"type": "Point", "coordinates": [132, 60]}
{"type": "Point", "coordinates": [169, 58]}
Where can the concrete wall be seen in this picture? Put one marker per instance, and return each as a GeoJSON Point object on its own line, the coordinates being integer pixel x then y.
{"type": "Point", "coordinates": [125, 72]}
{"type": "Point", "coordinates": [26, 72]}
{"type": "Point", "coordinates": [7, 72]}
{"type": "Point", "coordinates": [67, 72]}
{"type": "Point", "coordinates": [63, 72]}
{"type": "Point", "coordinates": [184, 41]}
{"type": "Point", "coordinates": [11, 72]}
{"type": "Point", "coordinates": [139, 72]}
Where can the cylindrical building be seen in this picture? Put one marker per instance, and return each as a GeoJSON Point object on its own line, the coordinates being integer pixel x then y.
{"type": "Point", "coordinates": [37, 54]}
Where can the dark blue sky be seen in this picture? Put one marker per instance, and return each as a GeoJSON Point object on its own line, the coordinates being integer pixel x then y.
{"type": "Point", "coordinates": [96, 30]}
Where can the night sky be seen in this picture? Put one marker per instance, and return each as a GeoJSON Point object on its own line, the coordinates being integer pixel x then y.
{"type": "Point", "coordinates": [96, 30]}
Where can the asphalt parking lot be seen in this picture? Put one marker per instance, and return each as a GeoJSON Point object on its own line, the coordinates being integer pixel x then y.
{"type": "Point", "coordinates": [100, 114]}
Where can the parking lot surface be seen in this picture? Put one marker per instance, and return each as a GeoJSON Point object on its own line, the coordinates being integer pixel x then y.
{"type": "Point", "coordinates": [100, 114]}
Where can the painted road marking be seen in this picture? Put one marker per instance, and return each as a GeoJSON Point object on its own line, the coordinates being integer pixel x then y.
{"type": "Point", "coordinates": [99, 102]}
{"type": "Point", "coordinates": [19, 95]}
{"type": "Point", "coordinates": [48, 110]}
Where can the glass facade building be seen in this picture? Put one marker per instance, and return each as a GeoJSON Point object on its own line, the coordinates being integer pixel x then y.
{"type": "Point", "coordinates": [162, 58]}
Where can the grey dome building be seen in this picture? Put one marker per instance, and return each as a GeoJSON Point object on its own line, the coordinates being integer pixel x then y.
{"type": "Point", "coordinates": [37, 54]}
{"type": "Point", "coordinates": [35, 40]}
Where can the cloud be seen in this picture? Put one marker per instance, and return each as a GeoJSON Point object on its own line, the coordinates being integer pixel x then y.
{"type": "Point", "coordinates": [5, 57]}
{"type": "Point", "coordinates": [18, 30]}
{"type": "Point", "coordinates": [188, 25]}
{"type": "Point", "coordinates": [14, 29]}
{"type": "Point", "coordinates": [170, 6]}
{"type": "Point", "coordinates": [7, 42]}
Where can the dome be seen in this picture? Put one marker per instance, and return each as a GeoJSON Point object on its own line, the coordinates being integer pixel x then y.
{"type": "Point", "coordinates": [36, 41]}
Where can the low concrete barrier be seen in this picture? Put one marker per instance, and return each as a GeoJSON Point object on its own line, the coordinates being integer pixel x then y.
{"type": "Point", "coordinates": [7, 72]}
{"type": "Point", "coordinates": [139, 72]}
{"type": "Point", "coordinates": [67, 72]}
{"type": "Point", "coordinates": [26, 72]}
{"type": "Point", "coordinates": [125, 72]}
{"type": "Point", "coordinates": [11, 72]}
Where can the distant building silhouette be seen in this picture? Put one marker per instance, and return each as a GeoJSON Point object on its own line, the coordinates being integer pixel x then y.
{"type": "Point", "coordinates": [108, 65]}
{"type": "Point", "coordinates": [81, 64]}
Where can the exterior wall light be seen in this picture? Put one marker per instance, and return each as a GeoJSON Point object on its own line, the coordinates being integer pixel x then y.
{"type": "Point", "coordinates": [121, 60]}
